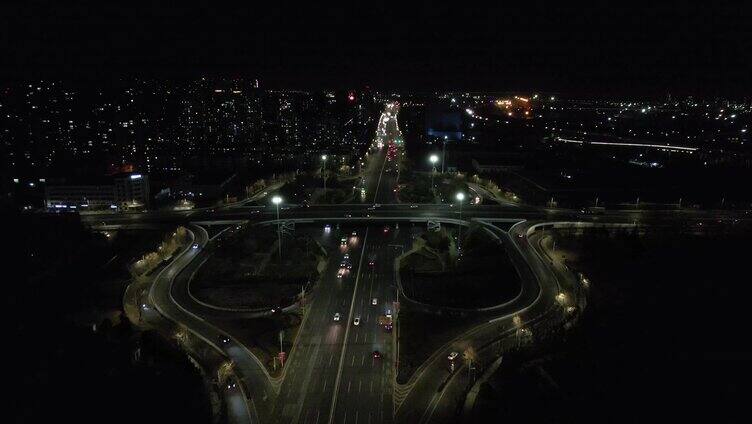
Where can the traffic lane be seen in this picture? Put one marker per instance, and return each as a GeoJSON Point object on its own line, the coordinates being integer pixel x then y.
{"type": "Point", "coordinates": [367, 380]}
{"type": "Point", "coordinates": [479, 211]}
{"type": "Point", "coordinates": [160, 297]}
{"type": "Point", "coordinates": [363, 383]}
{"type": "Point", "coordinates": [351, 383]}
{"type": "Point", "coordinates": [306, 389]}
{"type": "Point", "coordinates": [341, 305]}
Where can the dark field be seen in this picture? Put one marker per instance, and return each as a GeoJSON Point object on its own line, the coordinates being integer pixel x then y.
{"type": "Point", "coordinates": [663, 338]}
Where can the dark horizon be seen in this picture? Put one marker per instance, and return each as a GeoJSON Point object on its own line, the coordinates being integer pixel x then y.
{"type": "Point", "coordinates": [600, 51]}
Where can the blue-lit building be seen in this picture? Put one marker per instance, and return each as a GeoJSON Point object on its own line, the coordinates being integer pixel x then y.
{"type": "Point", "coordinates": [120, 191]}
{"type": "Point", "coordinates": [443, 122]}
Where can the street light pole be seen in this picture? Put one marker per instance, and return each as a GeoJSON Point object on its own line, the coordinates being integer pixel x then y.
{"type": "Point", "coordinates": [433, 159]}
{"type": "Point", "coordinates": [323, 172]}
{"type": "Point", "coordinates": [460, 198]}
{"type": "Point", "coordinates": [277, 200]}
{"type": "Point", "coordinates": [443, 154]}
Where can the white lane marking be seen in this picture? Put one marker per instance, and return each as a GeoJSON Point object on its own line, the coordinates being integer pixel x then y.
{"type": "Point", "coordinates": [348, 386]}
{"type": "Point", "coordinates": [324, 389]}
{"type": "Point", "coordinates": [359, 384]}
{"type": "Point", "coordinates": [362, 359]}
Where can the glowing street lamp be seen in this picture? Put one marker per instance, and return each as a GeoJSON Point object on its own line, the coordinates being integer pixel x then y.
{"type": "Point", "coordinates": [433, 159]}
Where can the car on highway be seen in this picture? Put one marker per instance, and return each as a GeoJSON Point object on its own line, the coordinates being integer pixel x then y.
{"type": "Point", "coordinates": [519, 236]}
{"type": "Point", "coordinates": [336, 316]}
{"type": "Point", "coordinates": [452, 356]}
{"type": "Point", "coordinates": [225, 339]}
{"type": "Point", "coordinates": [386, 229]}
{"type": "Point", "coordinates": [346, 256]}
{"type": "Point", "coordinates": [374, 301]}
{"type": "Point", "coordinates": [343, 241]}
{"type": "Point", "coordinates": [376, 354]}
{"type": "Point", "coordinates": [413, 206]}
{"type": "Point", "coordinates": [327, 228]}
{"type": "Point", "coordinates": [355, 234]}
{"type": "Point", "coordinates": [356, 321]}
{"type": "Point", "coordinates": [341, 273]}
{"type": "Point", "coordinates": [195, 245]}
{"type": "Point", "coordinates": [348, 215]}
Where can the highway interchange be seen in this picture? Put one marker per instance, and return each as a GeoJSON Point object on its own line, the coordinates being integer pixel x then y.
{"type": "Point", "coordinates": [332, 374]}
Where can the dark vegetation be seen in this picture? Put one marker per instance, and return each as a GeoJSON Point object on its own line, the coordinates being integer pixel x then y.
{"type": "Point", "coordinates": [663, 335]}
{"type": "Point", "coordinates": [302, 188]}
{"type": "Point", "coordinates": [415, 187]}
{"type": "Point", "coordinates": [63, 371]}
{"type": "Point", "coordinates": [483, 276]}
{"type": "Point", "coordinates": [244, 268]}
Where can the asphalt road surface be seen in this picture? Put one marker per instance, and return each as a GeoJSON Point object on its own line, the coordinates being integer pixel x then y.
{"type": "Point", "coordinates": [333, 375]}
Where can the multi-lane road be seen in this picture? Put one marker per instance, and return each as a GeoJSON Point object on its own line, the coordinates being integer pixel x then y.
{"type": "Point", "coordinates": [341, 371]}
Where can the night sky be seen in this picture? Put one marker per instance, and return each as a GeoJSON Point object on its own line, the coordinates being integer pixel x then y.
{"type": "Point", "coordinates": [675, 47]}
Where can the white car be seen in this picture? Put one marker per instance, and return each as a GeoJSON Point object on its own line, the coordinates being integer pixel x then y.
{"type": "Point", "coordinates": [452, 356]}
{"type": "Point", "coordinates": [374, 301]}
{"type": "Point", "coordinates": [195, 245]}
{"type": "Point", "coordinates": [336, 316]}
{"type": "Point", "coordinates": [413, 206]}
{"type": "Point", "coordinates": [356, 321]}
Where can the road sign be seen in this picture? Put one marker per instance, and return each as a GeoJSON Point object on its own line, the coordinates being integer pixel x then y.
{"type": "Point", "coordinates": [288, 227]}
